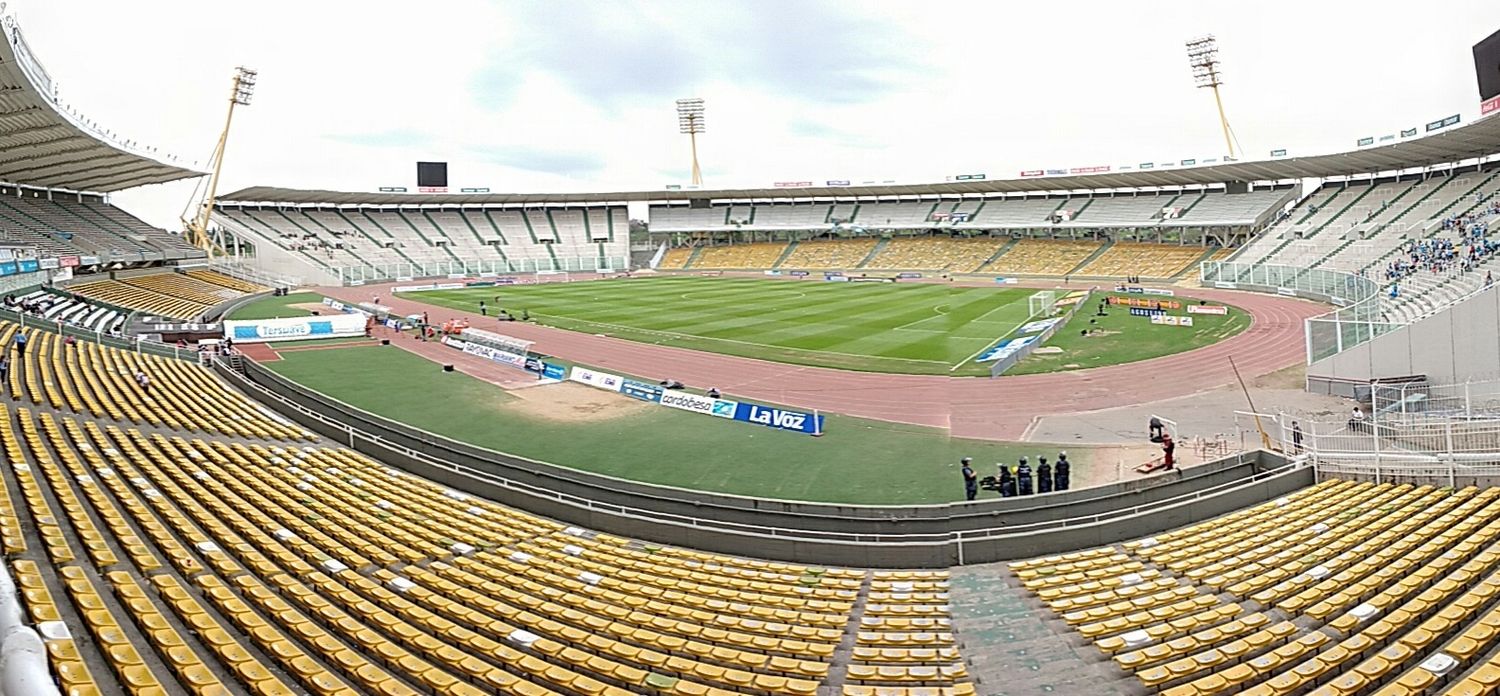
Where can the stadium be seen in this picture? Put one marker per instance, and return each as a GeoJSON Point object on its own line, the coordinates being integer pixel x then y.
{"type": "Point", "coordinates": [1208, 426]}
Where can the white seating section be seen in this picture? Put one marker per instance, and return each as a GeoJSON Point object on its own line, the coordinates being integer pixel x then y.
{"type": "Point", "coordinates": [385, 242]}
{"type": "Point", "coordinates": [74, 312]}
{"type": "Point", "coordinates": [1124, 210]}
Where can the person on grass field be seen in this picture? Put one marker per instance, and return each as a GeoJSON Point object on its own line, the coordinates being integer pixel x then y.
{"type": "Point", "coordinates": [971, 482]}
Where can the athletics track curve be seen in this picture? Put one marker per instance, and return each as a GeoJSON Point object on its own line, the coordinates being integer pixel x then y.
{"type": "Point", "coordinates": [996, 409]}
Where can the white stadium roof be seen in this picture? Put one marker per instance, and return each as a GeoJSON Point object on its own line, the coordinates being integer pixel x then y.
{"type": "Point", "coordinates": [1476, 140]}
{"type": "Point", "coordinates": [44, 142]}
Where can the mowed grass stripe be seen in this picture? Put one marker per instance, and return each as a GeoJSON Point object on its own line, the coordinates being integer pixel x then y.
{"type": "Point", "coordinates": [842, 325]}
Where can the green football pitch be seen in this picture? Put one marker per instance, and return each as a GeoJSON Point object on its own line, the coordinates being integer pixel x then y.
{"type": "Point", "coordinates": [856, 461]}
{"type": "Point", "coordinates": [911, 328]}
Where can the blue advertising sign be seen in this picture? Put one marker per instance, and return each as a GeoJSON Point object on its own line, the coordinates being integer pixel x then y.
{"type": "Point", "coordinates": [780, 418]}
{"type": "Point", "coordinates": [551, 371]}
{"type": "Point", "coordinates": [7, 268]}
{"type": "Point", "coordinates": [641, 390]}
{"type": "Point", "coordinates": [1004, 349]}
{"type": "Point", "coordinates": [29, 265]}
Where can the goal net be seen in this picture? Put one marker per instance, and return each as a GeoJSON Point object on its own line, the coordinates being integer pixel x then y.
{"type": "Point", "coordinates": [1042, 303]}
{"type": "Point", "coordinates": [552, 277]}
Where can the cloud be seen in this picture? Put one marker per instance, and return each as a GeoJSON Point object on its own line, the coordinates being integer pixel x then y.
{"type": "Point", "coordinates": [617, 54]}
{"type": "Point", "coordinates": [533, 159]}
{"type": "Point", "coordinates": [828, 134]}
{"type": "Point", "coordinates": [396, 137]}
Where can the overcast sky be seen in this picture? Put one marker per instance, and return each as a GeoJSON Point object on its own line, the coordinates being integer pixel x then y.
{"type": "Point", "coordinates": [567, 95]}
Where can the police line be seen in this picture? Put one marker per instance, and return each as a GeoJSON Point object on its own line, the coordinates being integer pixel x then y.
{"type": "Point", "coordinates": [771, 417]}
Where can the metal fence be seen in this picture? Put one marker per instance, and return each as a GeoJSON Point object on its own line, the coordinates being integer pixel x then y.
{"type": "Point", "coordinates": [1356, 320]}
{"type": "Point", "coordinates": [1396, 445]}
{"type": "Point", "coordinates": [1418, 401]}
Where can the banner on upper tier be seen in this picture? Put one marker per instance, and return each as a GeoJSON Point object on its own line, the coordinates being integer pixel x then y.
{"type": "Point", "coordinates": [295, 328]}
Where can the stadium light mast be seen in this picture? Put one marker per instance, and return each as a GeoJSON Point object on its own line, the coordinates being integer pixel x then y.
{"type": "Point", "coordinates": [690, 123]}
{"type": "Point", "coordinates": [1203, 56]}
{"type": "Point", "coordinates": [196, 227]}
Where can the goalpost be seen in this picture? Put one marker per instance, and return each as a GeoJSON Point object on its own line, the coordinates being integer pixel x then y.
{"type": "Point", "coordinates": [1042, 304]}
{"type": "Point", "coordinates": [551, 277]}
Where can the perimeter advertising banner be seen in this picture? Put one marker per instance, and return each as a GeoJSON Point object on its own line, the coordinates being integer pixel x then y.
{"type": "Point", "coordinates": [601, 380]}
{"type": "Point", "coordinates": [295, 328]}
{"type": "Point", "coordinates": [1004, 349]}
{"type": "Point", "coordinates": [768, 416]}
{"type": "Point", "coordinates": [722, 408]}
{"type": "Point", "coordinates": [780, 418]}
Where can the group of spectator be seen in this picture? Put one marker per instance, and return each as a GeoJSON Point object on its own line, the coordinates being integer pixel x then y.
{"type": "Point", "coordinates": [1023, 481]}
{"type": "Point", "coordinates": [1443, 256]}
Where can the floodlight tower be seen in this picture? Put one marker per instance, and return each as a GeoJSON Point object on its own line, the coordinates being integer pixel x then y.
{"type": "Point", "coordinates": [196, 227]}
{"type": "Point", "coordinates": [1203, 56]}
{"type": "Point", "coordinates": [690, 122]}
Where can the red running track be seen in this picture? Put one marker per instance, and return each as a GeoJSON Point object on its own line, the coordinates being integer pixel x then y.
{"type": "Point", "coordinates": [997, 409]}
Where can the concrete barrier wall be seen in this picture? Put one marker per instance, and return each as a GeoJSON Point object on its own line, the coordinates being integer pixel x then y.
{"type": "Point", "coordinates": [1449, 347]}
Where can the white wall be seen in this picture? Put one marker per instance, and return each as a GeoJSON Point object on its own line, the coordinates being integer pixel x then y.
{"type": "Point", "coordinates": [1456, 345]}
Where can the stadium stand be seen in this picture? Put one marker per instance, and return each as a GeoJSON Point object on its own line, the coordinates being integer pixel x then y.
{"type": "Point", "coordinates": [61, 224]}
{"type": "Point", "coordinates": [753, 255]}
{"type": "Point", "coordinates": [71, 311]}
{"type": "Point", "coordinates": [677, 258]}
{"type": "Point", "coordinates": [90, 379]}
{"type": "Point", "coordinates": [176, 295]}
{"type": "Point", "coordinates": [937, 253]}
{"type": "Point", "coordinates": [132, 297]}
{"type": "Point", "coordinates": [1198, 208]}
{"type": "Point", "coordinates": [836, 253]}
{"type": "Point", "coordinates": [231, 282]}
{"type": "Point", "coordinates": [208, 547]}
{"type": "Point", "coordinates": [1340, 588]}
{"type": "Point", "coordinates": [1145, 260]}
{"type": "Point", "coordinates": [387, 241]}
{"type": "Point", "coordinates": [1043, 257]}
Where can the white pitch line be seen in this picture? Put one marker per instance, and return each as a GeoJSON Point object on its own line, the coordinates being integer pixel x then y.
{"type": "Point", "coordinates": [965, 361]}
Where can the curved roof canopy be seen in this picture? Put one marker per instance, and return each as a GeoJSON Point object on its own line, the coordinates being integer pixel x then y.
{"type": "Point", "coordinates": [44, 142]}
{"type": "Point", "coordinates": [1476, 140]}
